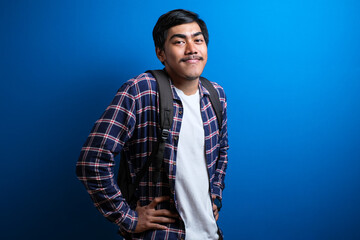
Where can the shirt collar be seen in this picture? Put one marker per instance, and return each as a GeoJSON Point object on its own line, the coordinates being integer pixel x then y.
{"type": "Point", "coordinates": [203, 91]}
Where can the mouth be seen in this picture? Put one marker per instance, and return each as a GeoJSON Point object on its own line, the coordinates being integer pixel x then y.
{"type": "Point", "coordinates": [192, 59]}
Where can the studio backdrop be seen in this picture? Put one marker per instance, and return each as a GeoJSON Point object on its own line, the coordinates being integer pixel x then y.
{"type": "Point", "coordinates": [291, 72]}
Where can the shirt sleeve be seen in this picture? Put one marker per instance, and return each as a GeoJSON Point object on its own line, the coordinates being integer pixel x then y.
{"type": "Point", "coordinates": [95, 167]}
{"type": "Point", "coordinates": [219, 183]}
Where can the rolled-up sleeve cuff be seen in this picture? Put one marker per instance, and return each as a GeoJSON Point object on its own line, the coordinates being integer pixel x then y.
{"type": "Point", "coordinates": [129, 222]}
{"type": "Point", "coordinates": [217, 191]}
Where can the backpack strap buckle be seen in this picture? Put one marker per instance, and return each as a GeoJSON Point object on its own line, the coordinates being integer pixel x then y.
{"type": "Point", "coordinates": [164, 134]}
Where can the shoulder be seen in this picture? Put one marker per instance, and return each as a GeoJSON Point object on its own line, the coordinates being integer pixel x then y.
{"type": "Point", "coordinates": [139, 85]}
{"type": "Point", "coordinates": [220, 90]}
{"type": "Point", "coordinates": [142, 81]}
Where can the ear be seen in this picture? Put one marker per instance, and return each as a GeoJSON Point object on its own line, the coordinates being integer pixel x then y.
{"type": "Point", "coordinates": [160, 55]}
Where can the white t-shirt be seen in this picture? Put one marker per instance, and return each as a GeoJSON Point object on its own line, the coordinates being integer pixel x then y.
{"type": "Point", "coordinates": [192, 180]}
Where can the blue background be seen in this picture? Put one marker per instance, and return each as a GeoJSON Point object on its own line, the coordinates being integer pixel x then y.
{"type": "Point", "coordinates": [291, 70]}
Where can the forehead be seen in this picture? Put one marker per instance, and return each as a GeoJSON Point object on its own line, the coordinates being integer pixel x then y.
{"type": "Point", "coordinates": [187, 29]}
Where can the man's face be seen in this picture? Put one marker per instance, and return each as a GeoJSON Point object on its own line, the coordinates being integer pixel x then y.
{"type": "Point", "coordinates": [185, 52]}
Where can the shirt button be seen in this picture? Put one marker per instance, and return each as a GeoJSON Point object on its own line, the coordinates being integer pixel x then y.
{"type": "Point", "coordinates": [176, 138]}
{"type": "Point", "coordinates": [180, 112]}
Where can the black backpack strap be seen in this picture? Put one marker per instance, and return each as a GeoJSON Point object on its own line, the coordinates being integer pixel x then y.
{"type": "Point", "coordinates": [166, 99]}
{"type": "Point", "coordinates": [157, 155]}
{"type": "Point", "coordinates": [166, 118]}
{"type": "Point", "coordinates": [214, 99]}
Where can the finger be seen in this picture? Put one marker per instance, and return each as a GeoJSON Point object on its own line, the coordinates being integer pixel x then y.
{"type": "Point", "coordinates": [215, 211]}
{"type": "Point", "coordinates": [167, 213]}
{"type": "Point", "coordinates": [158, 200]}
{"type": "Point", "coordinates": [214, 207]}
{"type": "Point", "coordinates": [216, 216]}
{"type": "Point", "coordinates": [156, 226]}
{"type": "Point", "coordinates": [162, 220]}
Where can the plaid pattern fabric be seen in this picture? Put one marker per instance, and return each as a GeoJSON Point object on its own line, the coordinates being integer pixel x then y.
{"type": "Point", "coordinates": [130, 123]}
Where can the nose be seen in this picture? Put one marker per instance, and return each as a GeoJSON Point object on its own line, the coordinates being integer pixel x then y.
{"type": "Point", "coordinates": [190, 48]}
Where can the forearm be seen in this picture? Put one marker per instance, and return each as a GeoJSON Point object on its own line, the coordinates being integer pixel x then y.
{"type": "Point", "coordinates": [219, 180]}
{"type": "Point", "coordinates": [95, 167]}
{"type": "Point", "coordinates": [96, 173]}
{"type": "Point", "coordinates": [222, 162]}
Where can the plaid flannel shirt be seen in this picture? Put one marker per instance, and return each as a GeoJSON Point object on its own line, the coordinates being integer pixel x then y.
{"type": "Point", "coordinates": [130, 123]}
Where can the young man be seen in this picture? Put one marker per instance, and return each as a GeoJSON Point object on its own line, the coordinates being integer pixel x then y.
{"type": "Point", "coordinates": [184, 203]}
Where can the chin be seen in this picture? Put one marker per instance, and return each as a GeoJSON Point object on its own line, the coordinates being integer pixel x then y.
{"type": "Point", "coordinates": [193, 75]}
{"type": "Point", "coordinates": [192, 78]}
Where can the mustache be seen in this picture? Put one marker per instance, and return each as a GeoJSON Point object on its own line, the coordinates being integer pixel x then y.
{"type": "Point", "coordinates": [191, 57]}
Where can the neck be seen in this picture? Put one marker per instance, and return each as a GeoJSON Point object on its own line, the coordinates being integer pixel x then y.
{"type": "Point", "coordinates": [188, 86]}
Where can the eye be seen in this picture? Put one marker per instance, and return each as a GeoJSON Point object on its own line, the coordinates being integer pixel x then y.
{"type": "Point", "coordinates": [179, 42]}
{"type": "Point", "coordinates": [199, 40]}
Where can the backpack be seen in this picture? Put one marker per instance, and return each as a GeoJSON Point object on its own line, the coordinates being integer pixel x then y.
{"type": "Point", "coordinates": [124, 181]}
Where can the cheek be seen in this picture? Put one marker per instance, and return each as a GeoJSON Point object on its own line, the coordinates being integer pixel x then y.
{"type": "Point", "coordinates": [169, 56]}
{"type": "Point", "coordinates": [204, 53]}
{"type": "Point", "coordinates": [172, 57]}
{"type": "Point", "coordinates": [205, 56]}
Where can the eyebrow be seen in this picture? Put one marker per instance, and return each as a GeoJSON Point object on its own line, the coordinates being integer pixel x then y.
{"type": "Point", "coordinates": [184, 36]}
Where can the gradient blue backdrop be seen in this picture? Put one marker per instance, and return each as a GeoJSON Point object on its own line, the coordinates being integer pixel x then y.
{"type": "Point", "coordinates": [291, 70]}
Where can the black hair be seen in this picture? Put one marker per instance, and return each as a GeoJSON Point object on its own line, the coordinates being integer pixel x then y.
{"type": "Point", "coordinates": [174, 18]}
